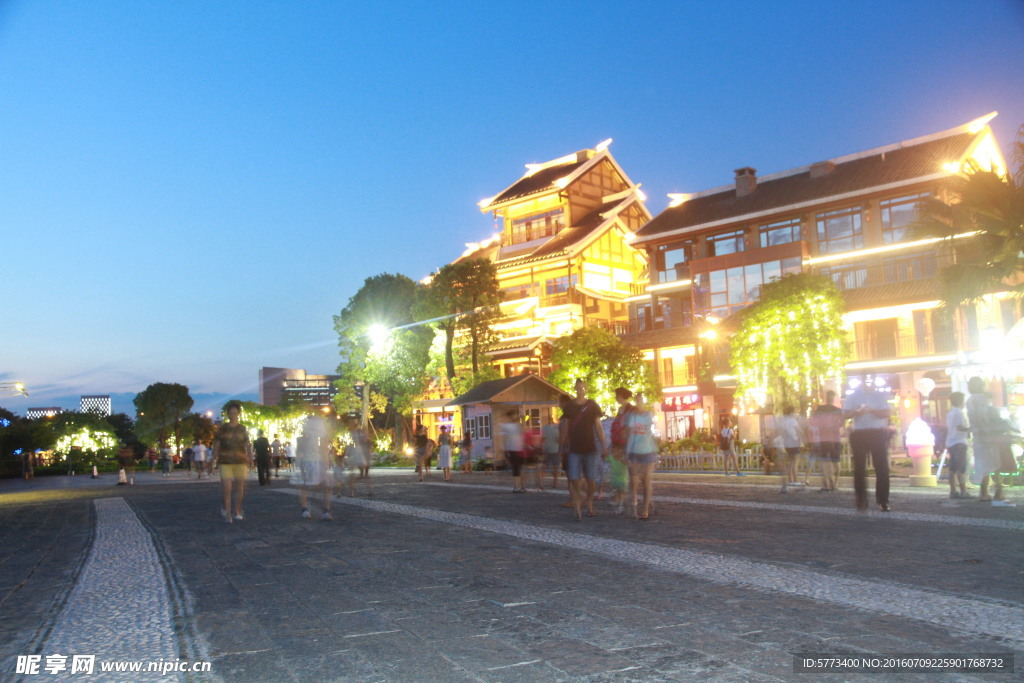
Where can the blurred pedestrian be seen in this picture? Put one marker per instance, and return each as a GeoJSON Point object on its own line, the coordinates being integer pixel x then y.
{"type": "Point", "coordinates": [275, 455]}
{"type": "Point", "coordinates": [261, 447]}
{"type": "Point", "coordinates": [466, 452]}
{"type": "Point", "coordinates": [642, 455]}
{"type": "Point", "coordinates": [444, 453]}
{"type": "Point", "coordinates": [232, 453]}
{"type": "Point", "coordinates": [314, 462]}
{"type": "Point", "coordinates": [515, 448]}
{"type": "Point", "coordinates": [869, 436]}
{"type": "Point", "coordinates": [584, 441]}
{"type": "Point", "coordinates": [727, 444]}
{"type": "Point", "coordinates": [199, 456]}
{"type": "Point", "coordinates": [792, 440]}
{"type": "Point", "coordinates": [420, 451]}
{"type": "Point", "coordinates": [957, 430]}
{"type": "Point", "coordinates": [825, 428]}
{"type": "Point", "coordinates": [165, 460]}
{"type": "Point", "coordinates": [550, 443]}
{"type": "Point", "coordinates": [126, 459]}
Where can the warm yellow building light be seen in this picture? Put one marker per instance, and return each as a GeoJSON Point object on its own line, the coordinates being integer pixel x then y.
{"type": "Point", "coordinates": [603, 145]}
{"type": "Point", "coordinates": [886, 312]}
{"type": "Point", "coordinates": [678, 198]}
{"type": "Point", "coordinates": [881, 250]}
{"type": "Point", "coordinates": [678, 284]}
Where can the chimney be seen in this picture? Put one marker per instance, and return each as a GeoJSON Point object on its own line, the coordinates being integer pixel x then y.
{"type": "Point", "coordinates": [822, 168]}
{"type": "Point", "coordinates": [746, 181]}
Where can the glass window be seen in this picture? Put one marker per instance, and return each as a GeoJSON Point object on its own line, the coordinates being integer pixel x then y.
{"type": "Point", "coordinates": [537, 225]}
{"type": "Point", "coordinates": [840, 231]}
{"type": "Point", "coordinates": [897, 215]}
{"type": "Point", "coordinates": [725, 243]}
{"type": "Point", "coordinates": [483, 426]}
{"type": "Point", "coordinates": [780, 233]}
{"type": "Point", "coordinates": [560, 285]}
{"type": "Point", "coordinates": [521, 291]}
{"type": "Point", "coordinates": [723, 292]}
{"type": "Point", "coordinates": [673, 259]}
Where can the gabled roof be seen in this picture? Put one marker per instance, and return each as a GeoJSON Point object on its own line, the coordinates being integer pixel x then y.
{"type": "Point", "coordinates": [540, 181]}
{"type": "Point", "coordinates": [490, 392]}
{"type": "Point", "coordinates": [921, 159]}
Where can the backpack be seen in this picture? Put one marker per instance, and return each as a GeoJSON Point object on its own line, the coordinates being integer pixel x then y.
{"type": "Point", "coordinates": [724, 437]}
{"type": "Point", "coordinates": [619, 431]}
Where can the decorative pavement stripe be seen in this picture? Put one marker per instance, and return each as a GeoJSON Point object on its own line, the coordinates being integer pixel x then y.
{"type": "Point", "coordinates": [971, 615]}
{"type": "Point", "coordinates": [1005, 524]}
{"type": "Point", "coordinates": [121, 608]}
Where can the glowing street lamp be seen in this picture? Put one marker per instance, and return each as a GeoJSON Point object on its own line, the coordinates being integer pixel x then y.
{"type": "Point", "coordinates": [13, 389]}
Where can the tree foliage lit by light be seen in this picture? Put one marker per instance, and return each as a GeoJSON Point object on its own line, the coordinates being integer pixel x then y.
{"type": "Point", "coordinates": [604, 362]}
{"type": "Point", "coordinates": [789, 342]}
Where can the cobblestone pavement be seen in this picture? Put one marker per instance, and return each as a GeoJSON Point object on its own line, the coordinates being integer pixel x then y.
{"type": "Point", "coordinates": [464, 581]}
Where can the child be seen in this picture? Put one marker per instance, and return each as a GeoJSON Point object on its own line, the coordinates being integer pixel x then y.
{"type": "Point", "coordinates": [956, 445]}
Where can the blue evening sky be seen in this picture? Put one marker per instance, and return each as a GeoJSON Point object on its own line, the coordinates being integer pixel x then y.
{"type": "Point", "coordinates": [190, 190]}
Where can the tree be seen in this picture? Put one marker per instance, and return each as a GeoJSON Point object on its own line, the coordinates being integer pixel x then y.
{"type": "Point", "coordinates": [990, 205]}
{"type": "Point", "coordinates": [196, 426]}
{"type": "Point", "coordinates": [88, 433]}
{"type": "Point", "coordinates": [604, 362]}
{"type": "Point", "coordinates": [790, 341]}
{"type": "Point", "coordinates": [397, 366]}
{"type": "Point", "coordinates": [469, 290]}
{"type": "Point", "coordinates": [160, 407]}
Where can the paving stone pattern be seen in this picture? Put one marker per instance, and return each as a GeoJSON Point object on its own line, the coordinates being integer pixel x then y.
{"type": "Point", "coordinates": [453, 582]}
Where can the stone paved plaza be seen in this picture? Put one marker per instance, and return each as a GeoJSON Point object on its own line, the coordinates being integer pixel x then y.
{"type": "Point", "coordinates": [465, 582]}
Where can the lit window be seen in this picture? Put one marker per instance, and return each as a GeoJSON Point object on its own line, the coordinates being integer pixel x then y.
{"type": "Point", "coordinates": [536, 226]}
{"type": "Point", "coordinates": [560, 285]}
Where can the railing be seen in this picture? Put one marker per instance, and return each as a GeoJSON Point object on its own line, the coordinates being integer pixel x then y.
{"type": "Point", "coordinates": [677, 378]}
{"type": "Point", "coordinates": [748, 459]}
{"type": "Point", "coordinates": [616, 327]}
{"type": "Point", "coordinates": [900, 347]}
{"type": "Point", "coordinates": [569, 296]}
{"type": "Point", "coordinates": [895, 270]}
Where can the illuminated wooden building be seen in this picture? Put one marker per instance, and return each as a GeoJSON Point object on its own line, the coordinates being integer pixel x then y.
{"type": "Point", "coordinates": [563, 254]}
{"type": "Point", "coordinates": [847, 218]}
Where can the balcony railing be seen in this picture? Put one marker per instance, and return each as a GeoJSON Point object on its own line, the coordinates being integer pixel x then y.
{"type": "Point", "coordinates": [900, 347]}
{"type": "Point", "coordinates": [570, 296]}
{"type": "Point", "coordinates": [616, 327]}
{"type": "Point", "coordinates": [853, 276]}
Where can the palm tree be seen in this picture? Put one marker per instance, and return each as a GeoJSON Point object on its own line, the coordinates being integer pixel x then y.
{"type": "Point", "coordinates": [991, 206]}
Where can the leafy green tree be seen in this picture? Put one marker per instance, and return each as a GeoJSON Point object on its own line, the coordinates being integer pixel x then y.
{"type": "Point", "coordinates": [197, 426]}
{"type": "Point", "coordinates": [604, 362]}
{"type": "Point", "coordinates": [790, 341]}
{"type": "Point", "coordinates": [469, 290]}
{"type": "Point", "coordinates": [124, 427]}
{"type": "Point", "coordinates": [88, 433]}
{"type": "Point", "coordinates": [160, 407]}
{"type": "Point", "coordinates": [991, 206]}
{"type": "Point", "coordinates": [395, 367]}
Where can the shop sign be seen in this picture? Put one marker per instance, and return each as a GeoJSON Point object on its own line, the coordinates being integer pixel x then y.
{"type": "Point", "coordinates": [672, 404]}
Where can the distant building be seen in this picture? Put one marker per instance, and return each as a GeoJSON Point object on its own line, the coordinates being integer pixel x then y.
{"type": "Point", "coordinates": [99, 404]}
{"type": "Point", "coordinates": [279, 384]}
{"type": "Point", "coordinates": [36, 413]}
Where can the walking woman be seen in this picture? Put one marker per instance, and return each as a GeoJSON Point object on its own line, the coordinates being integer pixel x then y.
{"type": "Point", "coordinates": [642, 454]}
{"type": "Point", "coordinates": [233, 454]}
{"type": "Point", "coordinates": [444, 453]}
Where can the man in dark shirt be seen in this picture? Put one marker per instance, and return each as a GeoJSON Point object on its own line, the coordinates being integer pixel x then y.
{"type": "Point", "coordinates": [581, 435]}
{"type": "Point", "coordinates": [261, 447]}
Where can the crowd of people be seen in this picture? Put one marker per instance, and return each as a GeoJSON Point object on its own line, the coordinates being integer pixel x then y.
{"type": "Point", "coordinates": [592, 450]}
